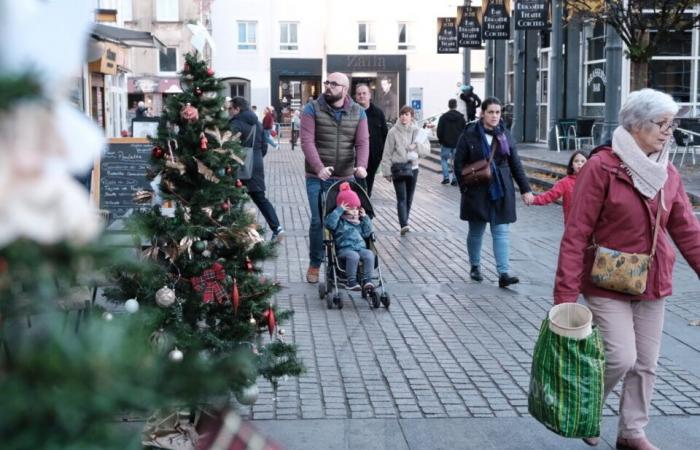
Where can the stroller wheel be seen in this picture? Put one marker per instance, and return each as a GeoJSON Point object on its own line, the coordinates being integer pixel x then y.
{"type": "Point", "coordinates": [329, 301]}
{"type": "Point", "coordinates": [322, 290]}
{"type": "Point", "coordinates": [385, 300]}
{"type": "Point", "coordinates": [337, 301]}
{"type": "Point", "coordinates": [375, 300]}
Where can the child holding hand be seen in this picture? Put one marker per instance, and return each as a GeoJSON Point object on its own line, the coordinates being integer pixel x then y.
{"type": "Point", "coordinates": [564, 188]}
{"type": "Point", "coordinates": [351, 226]}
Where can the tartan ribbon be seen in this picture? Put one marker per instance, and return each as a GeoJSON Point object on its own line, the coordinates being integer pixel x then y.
{"type": "Point", "coordinates": [209, 283]}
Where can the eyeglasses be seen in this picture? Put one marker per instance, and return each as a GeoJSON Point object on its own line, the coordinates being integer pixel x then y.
{"type": "Point", "coordinates": [665, 126]}
{"type": "Point", "coordinates": [332, 84]}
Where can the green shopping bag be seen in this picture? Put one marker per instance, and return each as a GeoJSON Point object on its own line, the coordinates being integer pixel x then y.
{"type": "Point", "coordinates": [566, 384]}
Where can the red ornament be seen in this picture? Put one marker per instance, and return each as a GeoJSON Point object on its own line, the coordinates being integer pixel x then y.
{"type": "Point", "coordinates": [189, 113]}
{"type": "Point", "coordinates": [198, 91]}
{"type": "Point", "coordinates": [239, 184]}
{"type": "Point", "coordinates": [210, 72]}
{"type": "Point", "coordinates": [226, 205]}
{"type": "Point", "coordinates": [157, 152]}
{"type": "Point", "coordinates": [229, 170]}
{"type": "Point", "coordinates": [235, 297]}
{"type": "Point", "coordinates": [210, 283]}
{"type": "Point", "coordinates": [271, 321]}
{"type": "Point", "coordinates": [203, 142]}
{"type": "Point", "coordinates": [248, 264]}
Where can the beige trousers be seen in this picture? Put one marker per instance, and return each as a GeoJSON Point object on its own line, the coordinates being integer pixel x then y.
{"type": "Point", "coordinates": [632, 336]}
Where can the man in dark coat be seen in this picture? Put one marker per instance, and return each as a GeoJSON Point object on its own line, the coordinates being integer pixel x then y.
{"type": "Point", "coordinates": [376, 123]}
{"type": "Point", "coordinates": [450, 126]}
{"type": "Point", "coordinates": [244, 121]}
{"type": "Point", "coordinates": [471, 100]}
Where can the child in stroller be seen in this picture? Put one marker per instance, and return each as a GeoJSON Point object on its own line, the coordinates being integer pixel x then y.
{"type": "Point", "coordinates": [340, 235]}
{"type": "Point", "coordinates": [351, 226]}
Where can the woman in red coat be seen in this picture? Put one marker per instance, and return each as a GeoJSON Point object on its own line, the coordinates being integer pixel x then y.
{"type": "Point", "coordinates": [618, 194]}
{"type": "Point", "coordinates": [563, 188]}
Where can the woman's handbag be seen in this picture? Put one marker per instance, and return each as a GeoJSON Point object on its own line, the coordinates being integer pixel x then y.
{"type": "Point", "coordinates": [478, 173]}
{"type": "Point", "coordinates": [621, 271]}
{"type": "Point", "coordinates": [245, 171]}
{"type": "Point", "coordinates": [568, 367]}
{"type": "Point", "coordinates": [402, 171]}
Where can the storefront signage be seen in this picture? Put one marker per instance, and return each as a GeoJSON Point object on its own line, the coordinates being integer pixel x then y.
{"type": "Point", "coordinates": [531, 14]}
{"type": "Point", "coordinates": [595, 84]}
{"type": "Point", "coordinates": [496, 21]}
{"type": "Point", "coordinates": [149, 85]}
{"type": "Point", "coordinates": [366, 62]}
{"type": "Point", "coordinates": [469, 28]}
{"type": "Point", "coordinates": [111, 57]}
{"type": "Point", "coordinates": [447, 35]}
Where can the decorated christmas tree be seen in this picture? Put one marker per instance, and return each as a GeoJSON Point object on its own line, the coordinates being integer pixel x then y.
{"type": "Point", "coordinates": [203, 243]}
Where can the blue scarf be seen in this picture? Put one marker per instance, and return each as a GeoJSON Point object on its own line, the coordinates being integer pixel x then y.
{"type": "Point", "coordinates": [497, 187]}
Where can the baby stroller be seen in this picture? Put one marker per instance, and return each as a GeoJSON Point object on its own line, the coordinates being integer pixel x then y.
{"type": "Point", "coordinates": [335, 268]}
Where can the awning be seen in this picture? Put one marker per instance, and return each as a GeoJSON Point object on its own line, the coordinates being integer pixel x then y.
{"type": "Point", "coordinates": [126, 37]}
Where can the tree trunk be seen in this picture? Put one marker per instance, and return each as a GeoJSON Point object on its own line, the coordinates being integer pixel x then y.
{"type": "Point", "coordinates": [639, 75]}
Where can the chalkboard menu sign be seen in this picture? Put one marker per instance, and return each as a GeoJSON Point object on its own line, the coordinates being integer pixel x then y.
{"type": "Point", "coordinates": [122, 173]}
{"type": "Point", "coordinates": [447, 35]}
{"type": "Point", "coordinates": [496, 20]}
{"type": "Point", "coordinates": [469, 28]}
{"type": "Point", "coordinates": [531, 14]}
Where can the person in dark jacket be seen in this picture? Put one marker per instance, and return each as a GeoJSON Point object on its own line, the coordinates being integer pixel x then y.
{"type": "Point", "coordinates": [376, 123]}
{"type": "Point", "coordinates": [450, 127]}
{"type": "Point", "coordinates": [493, 203]}
{"type": "Point", "coordinates": [471, 101]}
{"type": "Point", "coordinates": [245, 121]}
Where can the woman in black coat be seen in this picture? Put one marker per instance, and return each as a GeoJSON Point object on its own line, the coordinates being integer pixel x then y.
{"type": "Point", "coordinates": [244, 121]}
{"type": "Point", "coordinates": [493, 203]}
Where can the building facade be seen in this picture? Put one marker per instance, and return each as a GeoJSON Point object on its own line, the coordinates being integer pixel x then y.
{"type": "Point", "coordinates": [277, 53]}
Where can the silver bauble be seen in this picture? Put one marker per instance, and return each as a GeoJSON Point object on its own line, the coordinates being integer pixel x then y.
{"type": "Point", "coordinates": [165, 297]}
{"type": "Point", "coordinates": [131, 305]}
{"type": "Point", "coordinates": [107, 316]}
{"type": "Point", "coordinates": [248, 395]}
{"type": "Point", "coordinates": [175, 355]}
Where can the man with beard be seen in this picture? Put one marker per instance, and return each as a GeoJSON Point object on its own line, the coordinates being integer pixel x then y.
{"type": "Point", "coordinates": [376, 123]}
{"type": "Point", "coordinates": [335, 142]}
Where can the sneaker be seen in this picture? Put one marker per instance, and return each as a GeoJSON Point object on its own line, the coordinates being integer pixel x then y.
{"type": "Point", "coordinates": [475, 274]}
{"type": "Point", "coordinates": [353, 286]}
{"type": "Point", "coordinates": [405, 230]}
{"type": "Point", "coordinates": [445, 181]}
{"type": "Point", "coordinates": [312, 275]}
{"type": "Point", "coordinates": [454, 182]}
{"type": "Point", "coordinates": [277, 235]}
{"type": "Point", "coordinates": [505, 280]}
{"type": "Point", "coordinates": [368, 285]}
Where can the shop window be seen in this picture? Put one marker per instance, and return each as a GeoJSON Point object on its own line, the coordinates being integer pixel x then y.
{"type": "Point", "coordinates": [365, 36]}
{"type": "Point", "coordinates": [247, 35]}
{"type": "Point", "coordinates": [167, 10]}
{"type": "Point", "coordinates": [594, 75]}
{"type": "Point", "coordinates": [289, 40]}
{"type": "Point", "coordinates": [238, 89]}
{"type": "Point", "coordinates": [167, 62]}
{"type": "Point", "coordinates": [405, 37]}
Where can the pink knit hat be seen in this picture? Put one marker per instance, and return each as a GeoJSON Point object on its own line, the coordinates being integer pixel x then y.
{"type": "Point", "coordinates": [347, 196]}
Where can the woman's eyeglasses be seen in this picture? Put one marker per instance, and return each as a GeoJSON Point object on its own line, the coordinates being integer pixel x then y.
{"type": "Point", "coordinates": [665, 126]}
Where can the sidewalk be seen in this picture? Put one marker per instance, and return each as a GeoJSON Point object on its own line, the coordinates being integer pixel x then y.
{"type": "Point", "coordinates": [447, 366]}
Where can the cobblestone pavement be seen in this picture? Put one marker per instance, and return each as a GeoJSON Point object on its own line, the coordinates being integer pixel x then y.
{"type": "Point", "coordinates": [447, 347]}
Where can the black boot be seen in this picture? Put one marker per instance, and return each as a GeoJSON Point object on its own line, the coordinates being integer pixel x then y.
{"type": "Point", "coordinates": [475, 274]}
{"type": "Point", "coordinates": [505, 280]}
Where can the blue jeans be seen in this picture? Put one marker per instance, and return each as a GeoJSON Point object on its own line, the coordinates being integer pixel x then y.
{"type": "Point", "coordinates": [501, 249]}
{"type": "Point", "coordinates": [269, 139]}
{"type": "Point", "coordinates": [352, 261]}
{"type": "Point", "coordinates": [405, 188]}
{"type": "Point", "coordinates": [447, 156]}
{"type": "Point", "coordinates": [315, 188]}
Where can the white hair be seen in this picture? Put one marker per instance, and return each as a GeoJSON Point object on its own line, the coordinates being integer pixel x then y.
{"type": "Point", "coordinates": [644, 106]}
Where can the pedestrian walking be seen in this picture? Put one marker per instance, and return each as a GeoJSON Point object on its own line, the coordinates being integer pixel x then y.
{"type": "Point", "coordinates": [563, 188]}
{"type": "Point", "coordinates": [296, 124]}
{"type": "Point", "coordinates": [376, 124]}
{"type": "Point", "coordinates": [450, 127]}
{"type": "Point", "coordinates": [351, 226]}
{"type": "Point", "coordinates": [405, 145]}
{"type": "Point", "coordinates": [244, 121]}
{"type": "Point", "coordinates": [629, 198]}
{"type": "Point", "coordinates": [335, 142]}
{"type": "Point", "coordinates": [492, 203]}
{"type": "Point", "coordinates": [268, 125]}
{"type": "Point", "coordinates": [471, 101]}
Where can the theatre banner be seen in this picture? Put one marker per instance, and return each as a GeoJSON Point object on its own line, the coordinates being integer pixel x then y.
{"type": "Point", "coordinates": [447, 35]}
{"type": "Point", "coordinates": [469, 27]}
{"type": "Point", "coordinates": [496, 21]}
{"type": "Point", "coordinates": [531, 14]}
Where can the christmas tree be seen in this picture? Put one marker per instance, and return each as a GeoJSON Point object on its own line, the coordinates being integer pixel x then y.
{"type": "Point", "coordinates": [203, 244]}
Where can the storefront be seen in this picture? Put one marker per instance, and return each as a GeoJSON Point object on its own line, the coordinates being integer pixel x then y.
{"type": "Point", "coordinates": [293, 81]}
{"type": "Point", "coordinates": [384, 74]}
{"type": "Point", "coordinates": [153, 91]}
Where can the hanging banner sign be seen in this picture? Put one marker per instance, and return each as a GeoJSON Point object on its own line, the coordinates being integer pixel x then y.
{"type": "Point", "coordinates": [496, 22]}
{"type": "Point", "coordinates": [469, 28]}
{"type": "Point", "coordinates": [531, 14]}
{"type": "Point", "coordinates": [447, 35]}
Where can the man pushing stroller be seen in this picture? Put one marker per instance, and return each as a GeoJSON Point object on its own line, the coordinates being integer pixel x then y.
{"type": "Point", "coordinates": [351, 226]}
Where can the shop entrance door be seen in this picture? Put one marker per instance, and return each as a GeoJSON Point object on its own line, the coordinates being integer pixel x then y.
{"type": "Point", "coordinates": [543, 95]}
